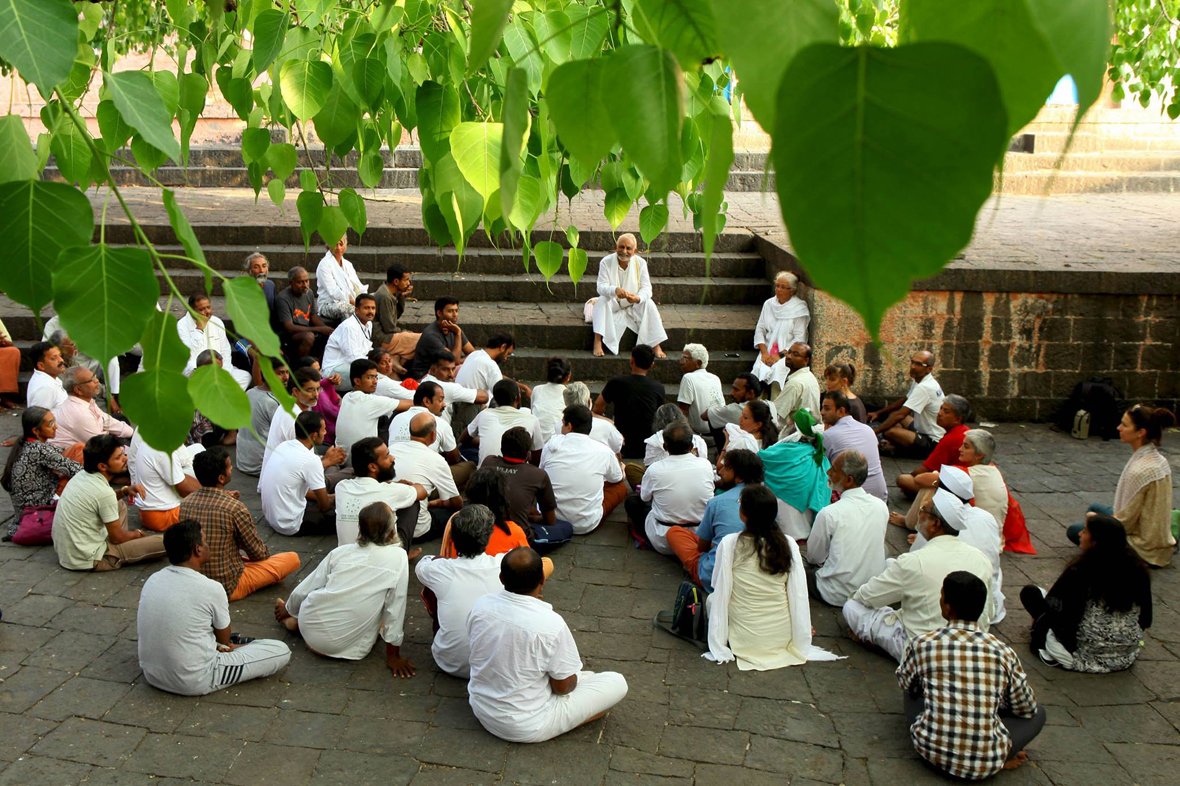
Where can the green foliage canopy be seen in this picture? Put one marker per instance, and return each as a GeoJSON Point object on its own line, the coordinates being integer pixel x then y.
{"type": "Point", "coordinates": [887, 118]}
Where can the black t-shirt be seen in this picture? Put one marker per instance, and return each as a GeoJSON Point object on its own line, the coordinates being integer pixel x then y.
{"type": "Point", "coordinates": [635, 398]}
{"type": "Point", "coordinates": [298, 309]}
{"type": "Point", "coordinates": [430, 342]}
{"type": "Point", "coordinates": [528, 488]}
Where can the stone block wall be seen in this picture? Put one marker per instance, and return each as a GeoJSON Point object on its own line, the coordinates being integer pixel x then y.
{"type": "Point", "coordinates": [1014, 355]}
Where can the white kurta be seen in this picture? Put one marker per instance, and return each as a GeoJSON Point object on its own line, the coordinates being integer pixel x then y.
{"type": "Point", "coordinates": [213, 337]}
{"type": "Point", "coordinates": [614, 315]}
{"type": "Point", "coordinates": [355, 594]}
{"type": "Point", "coordinates": [779, 326]}
{"type": "Point", "coordinates": [336, 285]}
{"type": "Point", "coordinates": [778, 645]}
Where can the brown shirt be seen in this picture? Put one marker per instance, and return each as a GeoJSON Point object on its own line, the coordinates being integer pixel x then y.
{"type": "Point", "coordinates": [228, 527]}
{"type": "Point", "coordinates": [389, 310]}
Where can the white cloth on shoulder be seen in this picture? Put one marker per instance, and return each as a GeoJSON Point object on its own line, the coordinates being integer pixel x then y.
{"type": "Point", "coordinates": [718, 606]}
{"type": "Point", "coordinates": [612, 315]}
{"type": "Point", "coordinates": [779, 326]}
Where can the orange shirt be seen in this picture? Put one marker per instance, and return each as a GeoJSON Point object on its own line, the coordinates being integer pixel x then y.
{"type": "Point", "coordinates": [499, 543]}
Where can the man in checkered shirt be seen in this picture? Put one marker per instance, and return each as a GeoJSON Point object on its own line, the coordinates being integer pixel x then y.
{"type": "Point", "coordinates": [967, 699]}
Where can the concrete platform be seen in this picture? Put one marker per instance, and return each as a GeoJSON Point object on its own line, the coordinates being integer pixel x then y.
{"type": "Point", "coordinates": [74, 707]}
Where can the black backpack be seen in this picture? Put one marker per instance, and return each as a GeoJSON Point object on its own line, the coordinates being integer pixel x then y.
{"type": "Point", "coordinates": [1099, 397]}
{"type": "Point", "coordinates": [687, 620]}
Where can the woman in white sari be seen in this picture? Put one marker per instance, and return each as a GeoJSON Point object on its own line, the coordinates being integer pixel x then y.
{"type": "Point", "coordinates": [1143, 497]}
{"type": "Point", "coordinates": [783, 321]}
{"type": "Point", "coordinates": [758, 612]}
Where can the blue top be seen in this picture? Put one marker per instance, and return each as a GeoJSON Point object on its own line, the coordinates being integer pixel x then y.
{"type": "Point", "coordinates": [721, 518]}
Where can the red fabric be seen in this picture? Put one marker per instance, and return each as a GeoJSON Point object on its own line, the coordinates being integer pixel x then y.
{"type": "Point", "coordinates": [947, 449]}
{"type": "Point", "coordinates": [1016, 537]}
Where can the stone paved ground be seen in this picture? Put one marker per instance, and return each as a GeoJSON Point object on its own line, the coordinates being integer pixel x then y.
{"type": "Point", "coordinates": [74, 707]}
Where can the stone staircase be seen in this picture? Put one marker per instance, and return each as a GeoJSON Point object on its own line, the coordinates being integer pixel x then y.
{"type": "Point", "coordinates": [718, 310]}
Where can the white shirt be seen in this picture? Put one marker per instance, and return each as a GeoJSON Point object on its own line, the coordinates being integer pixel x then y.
{"type": "Point", "coordinates": [848, 540]}
{"type": "Point", "coordinates": [915, 580]}
{"type": "Point", "coordinates": [45, 391]}
{"type": "Point", "coordinates": [457, 584]}
{"type": "Point", "coordinates": [479, 371]}
{"type": "Point", "coordinates": [452, 392]}
{"type": "Point", "coordinates": [158, 472]}
{"type": "Point", "coordinates": [678, 489]}
{"type": "Point", "coordinates": [741, 440]}
{"type": "Point", "coordinates": [349, 341]}
{"type": "Point", "coordinates": [654, 448]}
{"type": "Point", "coordinates": [578, 467]}
{"type": "Point", "coordinates": [355, 594]}
{"type": "Point", "coordinates": [354, 494]}
{"type": "Point", "coordinates": [178, 610]}
{"type": "Point", "coordinates": [700, 390]}
{"type": "Point", "coordinates": [212, 337]}
{"type": "Point", "coordinates": [399, 431]}
{"type": "Point", "coordinates": [491, 423]}
{"type": "Point", "coordinates": [418, 463]}
{"type": "Point", "coordinates": [924, 400]}
{"type": "Point", "coordinates": [336, 282]}
{"type": "Point", "coordinates": [282, 429]}
{"type": "Point", "coordinates": [548, 402]}
{"type": "Point", "coordinates": [604, 431]}
{"type": "Point", "coordinates": [518, 643]}
{"type": "Point", "coordinates": [358, 416]}
{"type": "Point", "coordinates": [284, 483]}
{"type": "Point", "coordinates": [981, 531]}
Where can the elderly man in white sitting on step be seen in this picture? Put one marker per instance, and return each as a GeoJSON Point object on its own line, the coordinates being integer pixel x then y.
{"type": "Point", "coordinates": [624, 301]}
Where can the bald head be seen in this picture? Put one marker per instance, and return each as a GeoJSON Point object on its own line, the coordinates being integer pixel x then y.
{"type": "Point", "coordinates": [422, 428]}
{"type": "Point", "coordinates": [921, 364]}
{"type": "Point", "coordinates": [521, 571]}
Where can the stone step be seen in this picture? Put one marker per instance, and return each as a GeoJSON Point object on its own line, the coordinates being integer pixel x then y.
{"type": "Point", "coordinates": [368, 259]}
{"type": "Point", "coordinates": [1055, 141]}
{"type": "Point", "coordinates": [557, 326]}
{"type": "Point", "coordinates": [249, 235]}
{"type": "Point", "coordinates": [1110, 163]}
{"type": "Point", "coordinates": [1050, 181]}
{"type": "Point", "coordinates": [471, 285]}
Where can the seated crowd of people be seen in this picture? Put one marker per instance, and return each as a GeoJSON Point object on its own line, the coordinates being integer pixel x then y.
{"type": "Point", "coordinates": [769, 500]}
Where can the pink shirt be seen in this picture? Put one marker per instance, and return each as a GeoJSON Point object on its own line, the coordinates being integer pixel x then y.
{"type": "Point", "coordinates": [78, 420]}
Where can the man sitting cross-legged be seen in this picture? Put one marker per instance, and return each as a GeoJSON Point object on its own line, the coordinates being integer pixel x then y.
{"type": "Point", "coordinates": [697, 550]}
{"type": "Point", "coordinates": [229, 531]}
{"type": "Point", "coordinates": [674, 491]}
{"type": "Point", "coordinates": [968, 704]}
{"type": "Point", "coordinates": [418, 463]}
{"type": "Point", "coordinates": [625, 301]}
{"type": "Point", "coordinates": [527, 683]}
{"type": "Point", "coordinates": [587, 478]}
{"type": "Point", "coordinates": [78, 416]}
{"type": "Point", "coordinates": [90, 523]}
{"type": "Point", "coordinates": [430, 398]}
{"type": "Point", "coordinates": [910, 424]}
{"type": "Point", "coordinates": [531, 503]}
{"type": "Point", "coordinates": [952, 416]}
{"type": "Point", "coordinates": [490, 424]}
{"type": "Point", "coordinates": [914, 581]}
{"type": "Point", "coordinates": [295, 498]}
{"type": "Point", "coordinates": [454, 584]}
{"type": "Point", "coordinates": [362, 407]}
{"type": "Point", "coordinates": [373, 464]}
{"type": "Point", "coordinates": [356, 593]}
{"type": "Point", "coordinates": [847, 540]}
{"type": "Point", "coordinates": [167, 479]}
{"type": "Point", "coordinates": [185, 642]}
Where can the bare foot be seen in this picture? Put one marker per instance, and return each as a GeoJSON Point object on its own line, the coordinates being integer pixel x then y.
{"type": "Point", "coordinates": [598, 347]}
{"type": "Point", "coordinates": [413, 554]}
{"type": "Point", "coordinates": [1016, 761]}
{"type": "Point", "coordinates": [659, 353]}
{"type": "Point", "coordinates": [281, 613]}
{"type": "Point", "coordinates": [911, 538]}
{"type": "Point", "coordinates": [897, 519]}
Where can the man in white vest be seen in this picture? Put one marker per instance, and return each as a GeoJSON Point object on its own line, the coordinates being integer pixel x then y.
{"type": "Point", "coordinates": [624, 301]}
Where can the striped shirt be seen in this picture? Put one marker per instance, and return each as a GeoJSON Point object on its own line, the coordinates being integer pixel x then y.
{"type": "Point", "coordinates": [967, 677]}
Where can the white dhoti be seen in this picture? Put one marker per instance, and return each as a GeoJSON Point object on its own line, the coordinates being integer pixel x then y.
{"type": "Point", "coordinates": [613, 315]}
{"type": "Point", "coordinates": [643, 318]}
{"type": "Point", "coordinates": [595, 694]}
{"type": "Point", "coordinates": [881, 627]}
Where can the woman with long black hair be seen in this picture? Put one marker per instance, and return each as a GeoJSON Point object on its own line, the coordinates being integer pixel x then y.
{"type": "Point", "coordinates": [1094, 617]}
{"type": "Point", "coordinates": [35, 469]}
{"type": "Point", "coordinates": [758, 612]}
